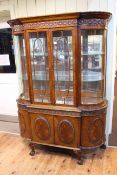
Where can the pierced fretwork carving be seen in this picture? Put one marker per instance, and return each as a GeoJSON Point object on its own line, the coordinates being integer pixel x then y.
{"type": "Point", "coordinates": [46, 24]}
{"type": "Point", "coordinates": [92, 21]}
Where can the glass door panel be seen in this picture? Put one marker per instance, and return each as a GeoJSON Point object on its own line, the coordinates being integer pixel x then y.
{"type": "Point", "coordinates": [25, 93]}
{"type": "Point", "coordinates": [92, 66]}
{"type": "Point", "coordinates": [63, 66]}
{"type": "Point", "coordinates": [40, 69]}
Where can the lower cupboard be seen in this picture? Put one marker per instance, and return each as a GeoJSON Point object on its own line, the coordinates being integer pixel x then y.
{"type": "Point", "coordinates": [59, 130]}
{"type": "Point", "coordinates": [76, 131]}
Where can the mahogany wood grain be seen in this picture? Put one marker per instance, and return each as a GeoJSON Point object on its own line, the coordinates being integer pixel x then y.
{"type": "Point", "coordinates": [51, 67]}
{"type": "Point", "coordinates": [93, 130]}
{"type": "Point", "coordinates": [42, 128]}
{"type": "Point", "coordinates": [24, 123]}
{"type": "Point", "coordinates": [67, 131]}
{"type": "Point", "coordinates": [26, 38]}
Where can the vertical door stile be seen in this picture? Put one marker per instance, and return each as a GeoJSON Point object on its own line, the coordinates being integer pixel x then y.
{"type": "Point", "coordinates": [105, 37]}
{"type": "Point", "coordinates": [74, 48]}
{"type": "Point", "coordinates": [77, 64]}
{"type": "Point", "coordinates": [103, 63]}
{"type": "Point", "coordinates": [51, 66]}
{"type": "Point", "coordinates": [26, 37]}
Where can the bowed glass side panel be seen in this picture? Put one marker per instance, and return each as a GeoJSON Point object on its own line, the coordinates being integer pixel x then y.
{"type": "Point", "coordinates": [25, 85]}
{"type": "Point", "coordinates": [92, 66]}
{"type": "Point", "coordinates": [63, 67]}
{"type": "Point", "coordinates": [40, 68]}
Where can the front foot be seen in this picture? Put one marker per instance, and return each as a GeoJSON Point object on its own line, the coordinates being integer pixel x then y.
{"type": "Point", "coordinates": [32, 146]}
{"type": "Point", "coordinates": [80, 161]}
{"type": "Point", "coordinates": [103, 146]}
{"type": "Point", "coordinates": [32, 153]}
{"type": "Point", "coordinates": [79, 156]}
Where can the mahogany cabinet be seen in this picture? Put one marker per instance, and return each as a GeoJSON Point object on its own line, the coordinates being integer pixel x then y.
{"type": "Point", "coordinates": [63, 62]}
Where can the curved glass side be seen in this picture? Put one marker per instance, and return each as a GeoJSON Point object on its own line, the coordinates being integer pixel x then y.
{"type": "Point", "coordinates": [25, 91]}
{"type": "Point", "coordinates": [92, 66]}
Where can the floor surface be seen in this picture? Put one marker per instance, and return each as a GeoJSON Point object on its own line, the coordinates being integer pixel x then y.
{"type": "Point", "coordinates": [15, 160]}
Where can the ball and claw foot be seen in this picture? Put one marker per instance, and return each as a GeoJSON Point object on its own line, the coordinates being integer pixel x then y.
{"type": "Point", "coordinates": [32, 146]}
{"type": "Point", "coordinates": [79, 157]}
{"type": "Point", "coordinates": [80, 162]}
{"type": "Point", "coordinates": [32, 153]}
{"type": "Point", "coordinates": [103, 146]}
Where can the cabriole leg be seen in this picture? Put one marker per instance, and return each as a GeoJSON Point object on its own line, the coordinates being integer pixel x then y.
{"type": "Point", "coordinates": [32, 146]}
{"type": "Point", "coordinates": [80, 157]}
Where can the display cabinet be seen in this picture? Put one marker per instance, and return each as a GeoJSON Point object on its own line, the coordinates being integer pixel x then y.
{"type": "Point", "coordinates": [63, 61]}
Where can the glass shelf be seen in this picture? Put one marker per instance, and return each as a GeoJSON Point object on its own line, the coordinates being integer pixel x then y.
{"type": "Point", "coordinates": [92, 53]}
{"type": "Point", "coordinates": [91, 76]}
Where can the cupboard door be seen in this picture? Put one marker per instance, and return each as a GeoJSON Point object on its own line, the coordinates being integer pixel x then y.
{"type": "Point", "coordinates": [42, 128]}
{"type": "Point", "coordinates": [40, 66]}
{"type": "Point", "coordinates": [63, 66]}
{"type": "Point", "coordinates": [24, 123]}
{"type": "Point", "coordinates": [93, 130]}
{"type": "Point", "coordinates": [67, 131]}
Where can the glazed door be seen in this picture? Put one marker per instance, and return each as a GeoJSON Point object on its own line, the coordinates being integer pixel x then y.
{"type": "Point", "coordinates": [39, 66]}
{"type": "Point", "coordinates": [52, 56]}
{"type": "Point", "coordinates": [62, 48]}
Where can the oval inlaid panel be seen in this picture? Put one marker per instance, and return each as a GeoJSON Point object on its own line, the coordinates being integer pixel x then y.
{"type": "Point", "coordinates": [66, 132]}
{"type": "Point", "coordinates": [96, 131]}
{"type": "Point", "coordinates": [42, 128]}
{"type": "Point", "coordinates": [22, 123]}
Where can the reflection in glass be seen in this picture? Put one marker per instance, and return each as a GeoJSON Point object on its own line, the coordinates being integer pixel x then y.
{"type": "Point", "coordinates": [25, 93]}
{"type": "Point", "coordinates": [39, 62]}
{"type": "Point", "coordinates": [63, 67]}
{"type": "Point", "coordinates": [92, 65]}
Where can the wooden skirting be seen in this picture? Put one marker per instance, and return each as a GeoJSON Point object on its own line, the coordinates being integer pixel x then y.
{"type": "Point", "coordinates": [11, 127]}
{"type": "Point", "coordinates": [9, 123]}
{"type": "Point", "coordinates": [9, 118]}
{"type": "Point", "coordinates": [15, 159]}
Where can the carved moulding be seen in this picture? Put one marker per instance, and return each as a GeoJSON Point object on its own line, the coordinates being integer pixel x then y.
{"type": "Point", "coordinates": [54, 112]}
{"type": "Point", "coordinates": [45, 24]}
{"type": "Point", "coordinates": [92, 22]}
{"type": "Point", "coordinates": [61, 23]}
{"type": "Point", "coordinates": [44, 110]}
{"type": "Point", "coordinates": [93, 113]}
{"type": "Point", "coordinates": [94, 110]}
